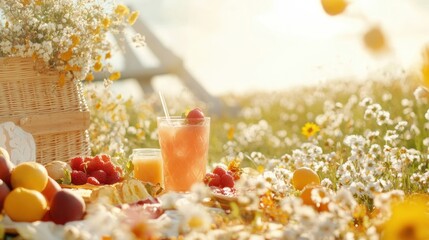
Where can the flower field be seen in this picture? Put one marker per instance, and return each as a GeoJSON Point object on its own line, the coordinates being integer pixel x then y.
{"type": "Point", "coordinates": [367, 141]}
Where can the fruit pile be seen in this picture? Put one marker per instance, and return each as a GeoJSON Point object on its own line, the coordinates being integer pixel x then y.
{"type": "Point", "coordinates": [221, 180]}
{"type": "Point", "coordinates": [28, 194]}
{"type": "Point", "coordinates": [306, 180]}
{"type": "Point", "coordinates": [97, 170]}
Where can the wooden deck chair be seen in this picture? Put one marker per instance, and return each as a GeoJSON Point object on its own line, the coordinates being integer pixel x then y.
{"type": "Point", "coordinates": [169, 63]}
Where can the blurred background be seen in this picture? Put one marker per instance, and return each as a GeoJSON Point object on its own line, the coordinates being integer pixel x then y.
{"type": "Point", "coordinates": [239, 46]}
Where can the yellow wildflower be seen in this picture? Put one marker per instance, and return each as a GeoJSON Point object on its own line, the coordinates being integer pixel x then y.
{"type": "Point", "coordinates": [106, 22]}
{"type": "Point", "coordinates": [75, 40]}
{"type": "Point", "coordinates": [34, 56]}
{"type": "Point", "coordinates": [25, 2]}
{"type": "Point", "coordinates": [98, 106]}
{"type": "Point", "coordinates": [68, 67]}
{"type": "Point", "coordinates": [425, 74]}
{"type": "Point", "coordinates": [115, 76]}
{"type": "Point", "coordinates": [108, 55]}
{"type": "Point", "coordinates": [89, 77]}
{"type": "Point", "coordinates": [122, 10]}
{"type": "Point", "coordinates": [96, 30]}
{"type": "Point", "coordinates": [62, 79]}
{"type": "Point", "coordinates": [425, 67]}
{"type": "Point", "coordinates": [409, 220]}
{"type": "Point", "coordinates": [66, 56]}
{"type": "Point", "coordinates": [133, 17]}
{"type": "Point", "coordinates": [310, 129]}
{"type": "Point", "coordinates": [231, 132]}
{"type": "Point", "coordinates": [97, 66]}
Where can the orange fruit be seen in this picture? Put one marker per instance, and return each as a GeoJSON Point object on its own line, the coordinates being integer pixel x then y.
{"type": "Point", "coordinates": [303, 176]}
{"type": "Point", "coordinates": [307, 200]}
{"type": "Point", "coordinates": [30, 175]}
{"type": "Point", "coordinates": [374, 39]}
{"type": "Point", "coordinates": [25, 205]}
{"type": "Point", "coordinates": [334, 7]}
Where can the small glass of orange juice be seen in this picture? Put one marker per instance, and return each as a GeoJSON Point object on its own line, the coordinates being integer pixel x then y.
{"type": "Point", "coordinates": [148, 165]}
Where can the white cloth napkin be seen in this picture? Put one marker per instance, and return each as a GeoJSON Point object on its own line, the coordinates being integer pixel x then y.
{"type": "Point", "coordinates": [19, 143]}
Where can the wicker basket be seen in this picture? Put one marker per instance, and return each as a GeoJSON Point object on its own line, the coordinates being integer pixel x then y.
{"type": "Point", "coordinates": [57, 117]}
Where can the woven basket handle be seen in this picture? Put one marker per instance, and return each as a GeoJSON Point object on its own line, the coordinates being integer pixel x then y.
{"type": "Point", "coordinates": [52, 123]}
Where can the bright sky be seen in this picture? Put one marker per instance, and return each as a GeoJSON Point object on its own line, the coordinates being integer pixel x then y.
{"type": "Point", "coordinates": [241, 45]}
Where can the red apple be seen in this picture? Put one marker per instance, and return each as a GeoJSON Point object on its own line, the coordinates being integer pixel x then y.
{"type": "Point", "coordinates": [4, 191]}
{"type": "Point", "coordinates": [5, 168]}
{"type": "Point", "coordinates": [66, 207]}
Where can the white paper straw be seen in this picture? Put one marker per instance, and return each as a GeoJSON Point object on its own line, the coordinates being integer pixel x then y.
{"type": "Point", "coordinates": [164, 106]}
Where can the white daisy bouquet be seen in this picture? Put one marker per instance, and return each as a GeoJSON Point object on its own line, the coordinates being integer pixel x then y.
{"type": "Point", "coordinates": [69, 36]}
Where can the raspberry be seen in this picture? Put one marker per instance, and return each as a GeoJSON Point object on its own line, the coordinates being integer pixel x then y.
{"type": "Point", "coordinates": [83, 166]}
{"type": "Point", "coordinates": [219, 171]}
{"type": "Point", "coordinates": [212, 179]}
{"type": "Point", "coordinates": [100, 175]}
{"type": "Point", "coordinates": [108, 168]}
{"type": "Point", "coordinates": [93, 181]}
{"type": "Point", "coordinates": [75, 163]}
{"type": "Point", "coordinates": [227, 181]}
{"type": "Point", "coordinates": [94, 165]}
{"type": "Point", "coordinates": [113, 178]}
{"type": "Point", "coordinates": [195, 116]}
{"type": "Point", "coordinates": [78, 177]}
{"type": "Point", "coordinates": [119, 170]}
{"type": "Point", "coordinates": [105, 157]}
{"type": "Point", "coordinates": [235, 175]}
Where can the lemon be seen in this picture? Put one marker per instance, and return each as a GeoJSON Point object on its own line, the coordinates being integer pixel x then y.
{"type": "Point", "coordinates": [334, 7]}
{"type": "Point", "coordinates": [374, 39]}
{"type": "Point", "coordinates": [304, 176]}
{"type": "Point", "coordinates": [25, 205]}
{"type": "Point", "coordinates": [30, 175]}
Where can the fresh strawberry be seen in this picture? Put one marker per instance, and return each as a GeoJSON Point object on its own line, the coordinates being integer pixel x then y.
{"type": "Point", "coordinates": [113, 178]}
{"type": "Point", "coordinates": [100, 175]}
{"type": "Point", "coordinates": [87, 159]}
{"type": "Point", "coordinates": [105, 157]}
{"type": "Point", "coordinates": [108, 168]}
{"type": "Point", "coordinates": [94, 165]}
{"type": "Point", "coordinates": [227, 181]}
{"type": "Point", "coordinates": [219, 171]}
{"type": "Point", "coordinates": [78, 177]}
{"type": "Point", "coordinates": [212, 179]}
{"type": "Point", "coordinates": [195, 116]}
{"type": "Point", "coordinates": [93, 181]}
{"type": "Point", "coordinates": [75, 163]}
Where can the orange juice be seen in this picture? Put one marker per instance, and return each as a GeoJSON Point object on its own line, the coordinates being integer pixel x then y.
{"type": "Point", "coordinates": [147, 164]}
{"type": "Point", "coordinates": [184, 149]}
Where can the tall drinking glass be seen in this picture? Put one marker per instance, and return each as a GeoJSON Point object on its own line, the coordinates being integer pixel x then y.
{"type": "Point", "coordinates": [184, 147]}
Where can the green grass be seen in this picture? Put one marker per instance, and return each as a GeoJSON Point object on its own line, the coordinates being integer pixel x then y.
{"type": "Point", "coordinates": [267, 126]}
